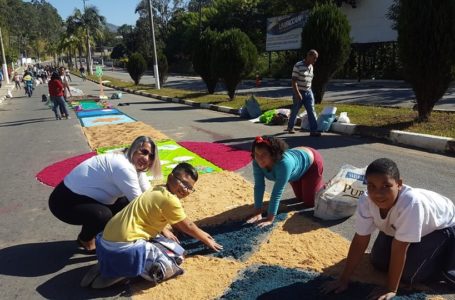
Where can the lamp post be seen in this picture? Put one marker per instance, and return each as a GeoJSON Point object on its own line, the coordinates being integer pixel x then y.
{"type": "Point", "coordinates": [200, 18]}
{"type": "Point", "coordinates": [4, 66]}
{"type": "Point", "coordinates": [155, 60]}
{"type": "Point", "coordinates": [89, 51]}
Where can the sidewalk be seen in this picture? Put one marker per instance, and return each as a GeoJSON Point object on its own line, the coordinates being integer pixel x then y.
{"type": "Point", "coordinates": [5, 87]}
{"type": "Point", "coordinates": [4, 90]}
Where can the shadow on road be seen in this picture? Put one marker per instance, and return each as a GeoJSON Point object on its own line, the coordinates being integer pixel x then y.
{"type": "Point", "coordinates": [25, 122]}
{"type": "Point", "coordinates": [327, 141]}
{"type": "Point", "coordinates": [38, 259]}
{"type": "Point", "coordinates": [219, 120]}
{"type": "Point", "coordinates": [140, 103]}
{"type": "Point", "coordinates": [174, 108]}
{"type": "Point", "coordinates": [66, 286]}
{"type": "Point", "coordinates": [41, 259]}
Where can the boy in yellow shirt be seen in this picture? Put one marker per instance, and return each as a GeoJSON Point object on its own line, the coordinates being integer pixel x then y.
{"type": "Point", "coordinates": [124, 248]}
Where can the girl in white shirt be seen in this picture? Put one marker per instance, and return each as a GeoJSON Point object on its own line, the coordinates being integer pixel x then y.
{"type": "Point", "coordinates": [102, 185]}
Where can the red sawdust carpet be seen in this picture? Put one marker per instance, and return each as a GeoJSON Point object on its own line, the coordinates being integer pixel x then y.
{"type": "Point", "coordinates": [225, 157]}
{"type": "Point", "coordinates": [54, 174]}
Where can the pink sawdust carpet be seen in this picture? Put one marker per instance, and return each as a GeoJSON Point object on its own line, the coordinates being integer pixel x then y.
{"type": "Point", "coordinates": [54, 174]}
{"type": "Point", "coordinates": [225, 157]}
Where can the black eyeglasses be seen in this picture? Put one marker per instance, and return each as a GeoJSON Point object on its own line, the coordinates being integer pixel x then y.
{"type": "Point", "coordinates": [145, 152]}
{"type": "Point", "coordinates": [188, 188]}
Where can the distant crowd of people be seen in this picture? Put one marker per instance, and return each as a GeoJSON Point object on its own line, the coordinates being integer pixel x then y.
{"type": "Point", "coordinates": [58, 80]}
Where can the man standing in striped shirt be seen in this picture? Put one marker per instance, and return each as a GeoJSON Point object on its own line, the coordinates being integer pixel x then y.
{"type": "Point", "coordinates": [302, 75]}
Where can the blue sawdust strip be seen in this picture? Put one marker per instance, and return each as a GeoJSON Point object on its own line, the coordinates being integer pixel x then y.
{"type": "Point", "coordinates": [239, 240]}
{"type": "Point", "coordinates": [106, 120]}
{"type": "Point", "coordinates": [273, 282]}
{"type": "Point", "coordinates": [97, 112]}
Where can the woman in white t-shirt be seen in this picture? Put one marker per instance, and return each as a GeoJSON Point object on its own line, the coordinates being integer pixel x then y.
{"type": "Point", "coordinates": [416, 242]}
{"type": "Point", "coordinates": [102, 185]}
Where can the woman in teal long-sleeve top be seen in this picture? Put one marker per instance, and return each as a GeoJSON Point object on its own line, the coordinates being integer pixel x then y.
{"type": "Point", "coordinates": [302, 167]}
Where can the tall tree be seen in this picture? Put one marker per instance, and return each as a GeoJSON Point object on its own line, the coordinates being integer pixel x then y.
{"type": "Point", "coordinates": [182, 37]}
{"type": "Point", "coordinates": [163, 11]}
{"type": "Point", "coordinates": [326, 30]}
{"type": "Point", "coordinates": [92, 22]}
{"type": "Point", "coordinates": [129, 38]}
{"type": "Point", "coordinates": [27, 22]}
{"type": "Point", "coordinates": [71, 44]}
{"type": "Point", "coordinates": [426, 44]}
{"type": "Point", "coordinates": [234, 58]}
{"type": "Point", "coordinates": [203, 59]}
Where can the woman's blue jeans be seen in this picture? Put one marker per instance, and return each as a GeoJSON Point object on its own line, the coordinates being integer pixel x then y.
{"type": "Point", "coordinates": [308, 102]}
{"type": "Point", "coordinates": [59, 102]}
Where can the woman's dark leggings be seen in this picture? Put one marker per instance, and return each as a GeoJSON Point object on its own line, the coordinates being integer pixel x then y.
{"type": "Point", "coordinates": [77, 209]}
{"type": "Point", "coordinates": [424, 260]}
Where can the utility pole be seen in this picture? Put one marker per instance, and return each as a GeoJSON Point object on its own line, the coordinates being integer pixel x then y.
{"type": "Point", "coordinates": [89, 51]}
{"type": "Point", "coordinates": [155, 59]}
{"type": "Point", "coordinates": [4, 65]}
{"type": "Point", "coordinates": [200, 18]}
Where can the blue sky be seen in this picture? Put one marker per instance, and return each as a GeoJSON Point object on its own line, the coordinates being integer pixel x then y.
{"type": "Point", "coordinates": [117, 12]}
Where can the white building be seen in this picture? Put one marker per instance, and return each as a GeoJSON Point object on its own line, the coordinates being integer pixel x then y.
{"type": "Point", "coordinates": [369, 22]}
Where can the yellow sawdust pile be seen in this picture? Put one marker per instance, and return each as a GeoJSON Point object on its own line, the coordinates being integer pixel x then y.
{"type": "Point", "coordinates": [219, 198]}
{"type": "Point", "coordinates": [119, 134]}
{"type": "Point", "coordinates": [204, 278]}
{"type": "Point", "coordinates": [301, 243]}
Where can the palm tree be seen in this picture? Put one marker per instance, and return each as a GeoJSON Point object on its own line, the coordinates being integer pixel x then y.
{"type": "Point", "coordinates": [71, 43]}
{"type": "Point", "coordinates": [90, 21]}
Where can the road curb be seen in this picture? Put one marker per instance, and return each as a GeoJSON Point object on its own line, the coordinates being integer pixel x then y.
{"type": "Point", "coordinates": [423, 141]}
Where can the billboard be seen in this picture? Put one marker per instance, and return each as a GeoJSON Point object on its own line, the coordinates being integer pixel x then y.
{"type": "Point", "coordinates": [285, 32]}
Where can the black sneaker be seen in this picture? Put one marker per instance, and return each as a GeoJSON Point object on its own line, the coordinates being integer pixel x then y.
{"type": "Point", "coordinates": [315, 133]}
{"type": "Point", "coordinates": [449, 277]}
{"type": "Point", "coordinates": [290, 130]}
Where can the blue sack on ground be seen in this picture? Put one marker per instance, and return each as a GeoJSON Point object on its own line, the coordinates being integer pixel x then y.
{"type": "Point", "coordinates": [243, 113]}
{"type": "Point", "coordinates": [326, 118]}
{"type": "Point", "coordinates": [325, 121]}
{"type": "Point", "coordinates": [253, 108]}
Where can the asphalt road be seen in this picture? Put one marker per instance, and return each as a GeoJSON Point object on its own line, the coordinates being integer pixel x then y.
{"type": "Point", "coordinates": [38, 257]}
{"type": "Point", "coordinates": [371, 92]}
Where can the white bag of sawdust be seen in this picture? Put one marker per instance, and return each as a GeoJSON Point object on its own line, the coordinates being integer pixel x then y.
{"type": "Point", "coordinates": [339, 198]}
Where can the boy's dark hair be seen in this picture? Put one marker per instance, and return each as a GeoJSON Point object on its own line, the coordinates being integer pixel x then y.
{"type": "Point", "coordinates": [187, 169]}
{"type": "Point", "coordinates": [383, 166]}
{"type": "Point", "coordinates": [275, 146]}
